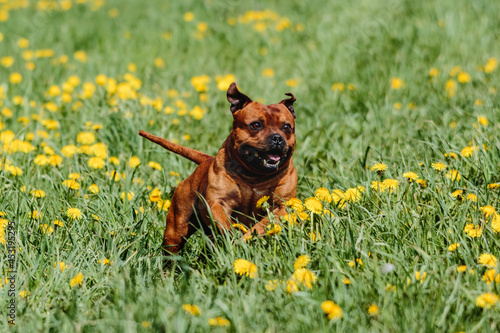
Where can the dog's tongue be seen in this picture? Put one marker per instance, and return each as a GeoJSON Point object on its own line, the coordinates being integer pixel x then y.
{"type": "Point", "coordinates": [273, 157]}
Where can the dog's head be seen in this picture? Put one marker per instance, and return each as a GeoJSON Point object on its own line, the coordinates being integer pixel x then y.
{"type": "Point", "coordinates": [263, 135]}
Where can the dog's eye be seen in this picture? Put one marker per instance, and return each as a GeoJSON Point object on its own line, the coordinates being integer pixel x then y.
{"type": "Point", "coordinates": [287, 128]}
{"type": "Point", "coordinates": [256, 125]}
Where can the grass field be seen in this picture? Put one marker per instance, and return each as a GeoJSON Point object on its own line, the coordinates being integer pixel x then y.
{"type": "Point", "coordinates": [396, 228]}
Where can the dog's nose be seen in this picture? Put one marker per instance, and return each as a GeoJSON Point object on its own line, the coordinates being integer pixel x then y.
{"type": "Point", "coordinates": [277, 139]}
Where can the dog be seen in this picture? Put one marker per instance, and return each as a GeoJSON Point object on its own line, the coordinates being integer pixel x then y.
{"type": "Point", "coordinates": [255, 161]}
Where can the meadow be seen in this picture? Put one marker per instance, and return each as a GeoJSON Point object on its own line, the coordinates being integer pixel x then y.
{"type": "Point", "coordinates": [396, 223]}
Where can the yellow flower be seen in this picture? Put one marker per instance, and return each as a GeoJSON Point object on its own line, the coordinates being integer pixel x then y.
{"type": "Point", "coordinates": [188, 16]}
{"type": "Point", "coordinates": [473, 231]}
{"type": "Point", "coordinates": [200, 83]}
{"type": "Point", "coordinates": [338, 86]}
{"type": "Point", "coordinates": [295, 204]}
{"type": "Point", "coordinates": [463, 77]}
{"type": "Point", "coordinates": [493, 186]}
{"type": "Point", "coordinates": [80, 56]}
{"type": "Point", "coordinates": [411, 176]}
{"type": "Point", "coordinates": [379, 167]}
{"type": "Point", "coordinates": [461, 268]}
{"type": "Point", "coordinates": [36, 215]}
{"type": "Point", "coordinates": [292, 286]}
{"type": "Point", "coordinates": [453, 247]}
{"type": "Point", "coordinates": [468, 151]}
{"type": "Point", "coordinates": [134, 161]}
{"type": "Point", "coordinates": [451, 155]}
{"type": "Point", "coordinates": [268, 72]}
{"type": "Point", "coordinates": [451, 88]}
{"type": "Point", "coordinates": [37, 193]}
{"type": "Point", "coordinates": [69, 151]}
{"type": "Point", "coordinates": [15, 78]}
{"type": "Point", "coordinates": [495, 223]}
{"type": "Point", "coordinates": [77, 280]}
{"type": "Point", "coordinates": [24, 293]}
{"type": "Point", "coordinates": [482, 120]}
{"type": "Point", "coordinates": [58, 223]}
{"type": "Point", "coordinates": [72, 184]}
{"type": "Point", "coordinates": [378, 186]}
{"type": "Point", "coordinates": [197, 112]}
{"type": "Point", "coordinates": [163, 204]}
{"type": "Point", "coordinates": [271, 285]}
{"type": "Point", "coordinates": [454, 175]}
{"type": "Point", "coordinates": [373, 310]}
{"type": "Point", "coordinates": [313, 205]}
{"type": "Point", "coordinates": [491, 65]}
{"type": "Point", "coordinates": [240, 226]}
{"type": "Point", "coordinates": [390, 184]}
{"type": "Point", "coordinates": [420, 276]}
{"type": "Point", "coordinates": [129, 196]}
{"type": "Point", "coordinates": [219, 321]}
{"type": "Point", "coordinates": [61, 265]}
{"type": "Point", "coordinates": [94, 188]}
{"type": "Point", "coordinates": [223, 82]}
{"type": "Point", "coordinates": [154, 165]}
{"type": "Point", "coordinates": [46, 229]}
{"type": "Point", "coordinates": [261, 201]}
{"type": "Point", "coordinates": [438, 166]}
{"type": "Point", "coordinates": [41, 160]}
{"type": "Point", "coordinates": [346, 281]}
{"type": "Point", "coordinates": [487, 300]}
{"type": "Point", "coordinates": [245, 267]}
{"type": "Point", "coordinates": [292, 82]}
{"type": "Point", "coordinates": [397, 83]}
{"type": "Point", "coordinates": [96, 163]}
{"type": "Point", "coordinates": [74, 213]}
{"type": "Point", "coordinates": [332, 310]}
{"type": "Point", "coordinates": [488, 260]}
{"type": "Point", "coordinates": [301, 262]}
{"type": "Point", "coordinates": [471, 197]}
{"type": "Point", "coordinates": [433, 72]}
{"type": "Point", "coordinates": [146, 324]}
{"type": "Point", "coordinates": [353, 194]}
{"type": "Point", "coordinates": [457, 194]}
{"type": "Point", "coordinates": [85, 138]}
{"type": "Point", "coordinates": [490, 276]}
{"type": "Point", "coordinates": [353, 263]}
{"type": "Point", "coordinates": [305, 277]}
{"type": "Point", "coordinates": [193, 310]}
{"type": "Point", "coordinates": [272, 229]}
{"type": "Point", "coordinates": [105, 262]}
{"type": "Point", "coordinates": [323, 194]}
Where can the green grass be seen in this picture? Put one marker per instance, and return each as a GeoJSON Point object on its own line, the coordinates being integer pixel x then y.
{"type": "Point", "coordinates": [340, 135]}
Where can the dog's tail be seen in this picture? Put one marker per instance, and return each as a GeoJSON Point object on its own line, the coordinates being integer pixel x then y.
{"type": "Point", "coordinates": [191, 154]}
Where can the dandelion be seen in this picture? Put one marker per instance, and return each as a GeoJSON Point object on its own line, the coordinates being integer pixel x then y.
{"type": "Point", "coordinates": [420, 276]}
{"type": "Point", "coordinates": [332, 310]}
{"type": "Point", "coordinates": [463, 77]}
{"type": "Point", "coordinates": [378, 186]}
{"type": "Point", "coordinates": [338, 86]}
{"type": "Point", "coordinates": [433, 72]}
{"type": "Point", "coordinates": [454, 175]}
{"type": "Point", "coordinates": [493, 186]}
{"type": "Point", "coordinates": [271, 285]}
{"type": "Point", "coordinates": [313, 205]}
{"type": "Point", "coordinates": [451, 88]}
{"type": "Point", "coordinates": [379, 168]}
{"type": "Point", "coordinates": [338, 198]}
{"type": "Point", "coordinates": [346, 281]}
{"type": "Point", "coordinates": [438, 166]}
{"type": "Point", "coordinates": [353, 263]}
{"type": "Point", "coordinates": [471, 197]}
{"type": "Point", "coordinates": [69, 151]}
{"type": "Point", "coordinates": [390, 184]}
{"type": "Point", "coordinates": [46, 229]}
{"type": "Point", "coordinates": [94, 188]}
{"type": "Point", "coordinates": [193, 310]}
{"type": "Point", "coordinates": [77, 280]}
{"type": "Point", "coordinates": [219, 321]}
{"type": "Point", "coordinates": [483, 120]}
{"type": "Point", "coordinates": [305, 277]}
{"type": "Point", "coordinates": [491, 65]}
{"type": "Point", "coordinates": [71, 184]}
{"type": "Point", "coordinates": [295, 204]}
{"type": "Point", "coordinates": [453, 247]}
{"type": "Point", "coordinates": [261, 201]}
{"type": "Point", "coordinates": [38, 193]}
{"type": "Point", "coordinates": [411, 176]}
{"type": "Point", "coordinates": [85, 138]}
{"type": "Point", "coordinates": [134, 162]}
{"type": "Point", "coordinates": [292, 286]}
{"type": "Point", "coordinates": [24, 293]}
{"type": "Point", "coordinates": [74, 213]}
{"type": "Point", "coordinates": [397, 83]}
{"type": "Point", "coordinates": [458, 194]}
{"type": "Point", "coordinates": [146, 324]}
{"type": "Point", "coordinates": [268, 72]}
{"type": "Point", "coordinates": [323, 194]}
{"type": "Point", "coordinates": [301, 262]}
{"type": "Point", "coordinates": [490, 276]}
{"type": "Point", "coordinates": [495, 223]}
{"type": "Point", "coordinates": [473, 231]}
{"type": "Point", "coordinates": [272, 229]}
{"type": "Point", "coordinates": [451, 155]}
{"type": "Point", "coordinates": [488, 260]}
{"type": "Point", "coordinates": [154, 165]}
{"type": "Point", "coordinates": [96, 163]}
{"type": "Point", "coordinates": [129, 196]}
{"type": "Point", "coordinates": [461, 268]}
{"type": "Point", "coordinates": [487, 300]}
{"type": "Point", "coordinates": [468, 151]}
{"type": "Point", "coordinates": [373, 310]}
{"type": "Point", "coordinates": [15, 78]}
{"type": "Point", "coordinates": [245, 267]}
{"type": "Point", "coordinates": [58, 223]}
{"type": "Point", "coordinates": [61, 266]}
{"type": "Point", "coordinates": [352, 194]}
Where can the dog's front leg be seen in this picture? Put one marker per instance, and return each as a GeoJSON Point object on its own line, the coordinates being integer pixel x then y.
{"type": "Point", "coordinates": [260, 228]}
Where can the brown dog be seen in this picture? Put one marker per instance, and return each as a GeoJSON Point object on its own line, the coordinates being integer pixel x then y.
{"type": "Point", "coordinates": [254, 161]}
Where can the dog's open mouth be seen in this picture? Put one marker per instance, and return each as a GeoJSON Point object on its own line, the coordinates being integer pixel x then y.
{"type": "Point", "coordinates": [270, 160]}
{"type": "Point", "coordinates": [262, 160]}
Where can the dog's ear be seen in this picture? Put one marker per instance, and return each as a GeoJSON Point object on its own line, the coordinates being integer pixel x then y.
{"type": "Point", "coordinates": [237, 99]}
{"type": "Point", "coordinates": [289, 103]}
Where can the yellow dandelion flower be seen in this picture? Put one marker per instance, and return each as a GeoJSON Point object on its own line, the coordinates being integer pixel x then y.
{"type": "Point", "coordinates": [272, 229]}
{"type": "Point", "coordinates": [338, 197]}
{"type": "Point", "coordinates": [96, 163]}
{"type": "Point", "coordinates": [58, 223]}
{"type": "Point", "coordinates": [240, 227]}
{"type": "Point", "coordinates": [468, 151]}
{"type": "Point", "coordinates": [454, 175]}
{"type": "Point", "coordinates": [483, 120]}
{"type": "Point", "coordinates": [71, 184]}
{"type": "Point", "coordinates": [74, 213]}
{"type": "Point", "coordinates": [219, 321]}
{"type": "Point", "coordinates": [488, 260]}
{"type": "Point", "coordinates": [304, 277]}
{"type": "Point", "coordinates": [272, 284]}
{"type": "Point", "coordinates": [261, 201]}
{"type": "Point", "coordinates": [493, 186]}
{"type": "Point", "coordinates": [313, 205]}
{"type": "Point", "coordinates": [379, 167]}
{"type": "Point", "coordinates": [292, 286]}
{"type": "Point", "coordinates": [461, 268]}
{"type": "Point", "coordinates": [295, 204]}
{"type": "Point", "coordinates": [192, 309]}
{"type": "Point", "coordinates": [397, 83]}
{"type": "Point", "coordinates": [332, 310]}
{"type": "Point", "coordinates": [411, 176]}
{"type": "Point", "coordinates": [61, 266]}
{"type": "Point", "coordinates": [495, 223]}
{"type": "Point", "coordinates": [438, 166]}
{"type": "Point", "coordinates": [85, 138]}
{"type": "Point", "coordinates": [373, 310]}
{"type": "Point", "coordinates": [129, 196]}
{"type": "Point", "coordinates": [346, 281]}
{"type": "Point", "coordinates": [46, 229]}
{"type": "Point", "coordinates": [390, 184]}
{"type": "Point", "coordinates": [134, 162]}
{"type": "Point", "coordinates": [487, 300]}
{"type": "Point", "coordinates": [490, 276]}
{"type": "Point", "coordinates": [463, 77]}
{"type": "Point", "coordinates": [24, 293]}
{"type": "Point", "coordinates": [301, 262]}
{"type": "Point", "coordinates": [154, 165]}
{"type": "Point", "coordinates": [453, 247]}
{"type": "Point", "coordinates": [471, 197]}
{"type": "Point", "coordinates": [245, 267]}
{"type": "Point", "coordinates": [473, 231]}
{"type": "Point", "coordinates": [77, 280]}
{"type": "Point", "coordinates": [94, 188]}
{"type": "Point", "coordinates": [491, 65]}
{"type": "Point", "coordinates": [352, 194]}
{"type": "Point", "coordinates": [323, 194]}
{"type": "Point", "coordinates": [38, 193]}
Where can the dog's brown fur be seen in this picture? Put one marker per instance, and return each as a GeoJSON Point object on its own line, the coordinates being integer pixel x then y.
{"type": "Point", "coordinates": [243, 171]}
